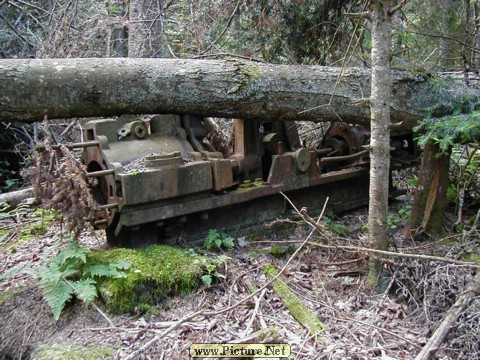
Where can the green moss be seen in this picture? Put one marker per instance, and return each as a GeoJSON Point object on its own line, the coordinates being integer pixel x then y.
{"type": "Point", "coordinates": [155, 273]}
{"type": "Point", "coordinates": [30, 232]}
{"type": "Point", "coordinates": [3, 235]}
{"type": "Point", "coordinates": [473, 258]}
{"type": "Point", "coordinates": [73, 352]}
{"type": "Point", "coordinates": [339, 229]}
{"type": "Point", "coordinates": [4, 295]}
{"type": "Point", "coordinates": [247, 74]}
{"type": "Point", "coordinates": [281, 251]}
{"type": "Point", "coordinates": [293, 304]}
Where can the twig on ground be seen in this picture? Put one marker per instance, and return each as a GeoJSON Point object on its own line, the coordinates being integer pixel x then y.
{"type": "Point", "coordinates": [384, 253]}
{"type": "Point", "coordinates": [104, 315]}
{"type": "Point", "coordinates": [402, 255]}
{"type": "Point", "coordinates": [346, 319]}
{"type": "Point", "coordinates": [158, 337]}
{"type": "Point", "coordinates": [255, 311]}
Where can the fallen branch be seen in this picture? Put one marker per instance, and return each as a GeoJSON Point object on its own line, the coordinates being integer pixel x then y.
{"type": "Point", "coordinates": [379, 253]}
{"type": "Point", "coordinates": [433, 344]}
{"type": "Point", "coordinates": [401, 255]}
{"type": "Point", "coordinates": [304, 215]}
{"type": "Point", "coordinates": [158, 337]}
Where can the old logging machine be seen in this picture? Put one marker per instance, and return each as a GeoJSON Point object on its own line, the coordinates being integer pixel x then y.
{"type": "Point", "coordinates": [158, 176]}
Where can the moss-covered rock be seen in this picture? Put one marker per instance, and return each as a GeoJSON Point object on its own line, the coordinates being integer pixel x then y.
{"type": "Point", "coordinates": [73, 352]}
{"type": "Point", "coordinates": [155, 273]}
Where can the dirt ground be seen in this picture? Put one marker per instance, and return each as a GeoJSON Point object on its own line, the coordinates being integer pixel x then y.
{"type": "Point", "coordinates": [358, 324]}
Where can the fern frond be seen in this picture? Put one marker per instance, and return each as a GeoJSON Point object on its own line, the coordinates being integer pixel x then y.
{"type": "Point", "coordinates": [49, 274]}
{"type": "Point", "coordinates": [85, 289]}
{"type": "Point", "coordinates": [72, 251]}
{"type": "Point", "coordinates": [121, 265]}
{"type": "Point", "coordinates": [104, 270]}
{"type": "Point", "coordinates": [57, 293]}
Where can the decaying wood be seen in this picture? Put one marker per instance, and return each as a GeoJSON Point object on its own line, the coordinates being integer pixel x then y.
{"type": "Point", "coordinates": [430, 195]}
{"type": "Point", "coordinates": [297, 309]}
{"type": "Point", "coordinates": [67, 88]}
{"type": "Point", "coordinates": [436, 340]}
{"type": "Point", "coordinates": [14, 198]}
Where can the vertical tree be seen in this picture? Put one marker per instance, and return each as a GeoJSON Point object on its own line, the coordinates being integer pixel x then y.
{"type": "Point", "coordinates": [381, 12]}
{"type": "Point", "coordinates": [145, 30]}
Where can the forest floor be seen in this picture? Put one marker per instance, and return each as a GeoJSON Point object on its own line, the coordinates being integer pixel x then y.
{"type": "Point", "coordinates": [331, 283]}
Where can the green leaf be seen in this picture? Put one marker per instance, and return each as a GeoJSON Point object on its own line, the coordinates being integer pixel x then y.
{"type": "Point", "coordinates": [85, 289]}
{"type": "Point", "coordinates": [211, 267]}
{"type": "Point", "coordinates": [228, 242]}
{"type": "Point", "coordinates": [71, 255]}
{"type": "Point", "coordinates": [223, 258]}
{"type": "Point", "coordinates": [207, 279]}
{"type": "Point", "coordinates": [57, 293]}
{"type": "Point", "coordinates": [122, 265]}
{"type": "Point", "coordinates": [101, 270]}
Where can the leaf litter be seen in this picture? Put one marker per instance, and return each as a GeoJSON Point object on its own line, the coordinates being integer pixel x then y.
{"type": "Point", "coordinates": [359, 324]}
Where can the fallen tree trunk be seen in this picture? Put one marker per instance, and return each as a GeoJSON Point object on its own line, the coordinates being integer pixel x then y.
{"type": "Point", "coordinates": [66, 88]}
{"type": "Point", "coordinates": [13, 198]}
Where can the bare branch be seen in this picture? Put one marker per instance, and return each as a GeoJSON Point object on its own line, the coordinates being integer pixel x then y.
{"type": "Point", "coordinates": [361, 15]}
{"type": "Point", "coordinates": [225, 29]}
{"type": "Point", "coordinates": [397, 7]}
{"type": "Point", "coordinates": [473, 48]}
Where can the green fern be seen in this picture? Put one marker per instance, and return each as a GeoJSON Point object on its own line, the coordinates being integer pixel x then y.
{"type": "Point", "coordinates": [85, 289]}
{"type": "Point", "coordinates": [64, 276]}
{"type": "Point", "coordinates": [57, 294]}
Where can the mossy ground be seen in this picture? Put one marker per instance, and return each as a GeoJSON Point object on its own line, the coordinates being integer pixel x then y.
{"type": "Point", "coordinates": [26, 233]}
{"type": "Point", "coordinates": [73, 352]}
{"type": "Point", "coordinates": [155, 273]}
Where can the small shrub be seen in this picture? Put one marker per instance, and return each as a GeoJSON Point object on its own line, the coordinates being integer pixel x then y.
{"type": "Point", "coordinates": [218, 240]}
{"type": "Point", "coordinates": [212, 267]}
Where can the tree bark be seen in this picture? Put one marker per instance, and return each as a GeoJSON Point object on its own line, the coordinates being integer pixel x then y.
{"type": "Point", "coordinates": [380, 135]}
{"type": "Point", "coordinates": [65, 88]}
{"type": "Point", "coordinates": [430, 195]}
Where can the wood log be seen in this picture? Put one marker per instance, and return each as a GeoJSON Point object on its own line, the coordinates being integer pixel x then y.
{"type": "Point", "coordinates": [67, 88]}
{"type": "Point", "coordinates": [13, 198]}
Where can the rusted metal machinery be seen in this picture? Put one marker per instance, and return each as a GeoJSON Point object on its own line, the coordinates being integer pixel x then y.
{"type": "Point", "coordinates": [158, 174]}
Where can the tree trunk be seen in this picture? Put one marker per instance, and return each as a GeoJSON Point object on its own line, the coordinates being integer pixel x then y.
{"type": "Point", "coordinates": [476, 36]}
{"type": "Point", "coordinates": [380, 135]}
{"type": "Point", "coordinates": [443, 11]}
{"type": "Point", "coordinates": [145, 29]}
{"type": "Point", "coordinates": [430, 196]}
{"type": "Point", "coordinates": [65, 88]}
